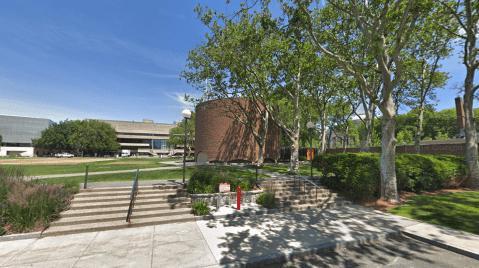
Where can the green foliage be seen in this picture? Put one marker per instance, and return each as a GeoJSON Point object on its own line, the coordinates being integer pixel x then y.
{"type": "Point", "coordinates": [81, 136]}
{"type": "Point", "coordinates": [26, 204]}
{"type": "Point", "coordinates": [357, 175]}
{"type": "Point", "coordinates": [303, 158]}
{"type": "Point", "coordinates": [177, 134]}
{"type": "Point", "coordinates": [207, 179]}
{"type": "Point", "coordinates": [201, 208]}
{"type": "Point", "coordinates": [419, 173]}
{"type": "Point", "coordinates": [267, 199]}
{"type": "Point", "coordinates": [405, 136]}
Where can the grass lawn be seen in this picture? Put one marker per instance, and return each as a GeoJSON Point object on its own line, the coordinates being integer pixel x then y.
{"type": "Point", "coordinates": [458, 211]}
{"type": "Point", "coordinates": [109, 165]}
{"type": "Point", "coordinates": [166, 174]}
{"type": "Point", "coordinates": [304, 169]}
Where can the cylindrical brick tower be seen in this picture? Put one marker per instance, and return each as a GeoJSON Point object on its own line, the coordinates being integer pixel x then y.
{"type": "Point", "coordinates": [219, 138]}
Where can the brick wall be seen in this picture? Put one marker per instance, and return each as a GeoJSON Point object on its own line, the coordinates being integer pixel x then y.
{"type": "Point", "coordinates": [224, 139]}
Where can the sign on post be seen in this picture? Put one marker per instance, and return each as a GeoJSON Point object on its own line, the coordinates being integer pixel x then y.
{"type": "Point", "coordinates": [225, 187]}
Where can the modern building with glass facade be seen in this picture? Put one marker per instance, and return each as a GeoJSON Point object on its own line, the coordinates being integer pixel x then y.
{"type": "Point", "coordinates": [142, 138]}
{"type": "Point", "coordinates": [17, 133]}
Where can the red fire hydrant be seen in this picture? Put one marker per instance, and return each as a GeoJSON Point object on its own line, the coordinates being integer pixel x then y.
{"type": "Point", "coordinates": [238, 191]}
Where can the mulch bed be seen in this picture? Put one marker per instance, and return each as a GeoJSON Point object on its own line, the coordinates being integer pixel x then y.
{"type": "Point", "coordinates": [377, 204]}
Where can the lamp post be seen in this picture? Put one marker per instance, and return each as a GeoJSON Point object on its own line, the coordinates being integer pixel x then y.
{"type": "Point", "coordinates": [186, 114]}
{"type": "Point", "coordinates": [310, 126]}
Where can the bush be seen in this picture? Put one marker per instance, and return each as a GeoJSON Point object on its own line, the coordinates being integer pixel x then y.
{"type": "Point", "coordinates": [303, 158]}
{"type": "Point", "coordinates": [267, 199]}
{"type": "Point", "coordinates": [25, 205]}
{"type": "Point", "coordinates": [201, 208]}
{"type": "Point", "coordinates": [357, 175]}
{"type": "Point", "coordinates": [206, 180]}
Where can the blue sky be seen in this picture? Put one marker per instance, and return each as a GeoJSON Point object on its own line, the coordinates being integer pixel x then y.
{"type": "Point", "coordinates": [115, 60]}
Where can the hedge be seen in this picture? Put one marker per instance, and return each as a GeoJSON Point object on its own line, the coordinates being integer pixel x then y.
{"type": "Point", "coordinates": [357, 174]}
{"type": "Point", "coordinates": [206, 179]}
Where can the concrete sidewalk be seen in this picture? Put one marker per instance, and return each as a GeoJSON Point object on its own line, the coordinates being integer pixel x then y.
{"type": "Point", "coordinates": [250, 241]}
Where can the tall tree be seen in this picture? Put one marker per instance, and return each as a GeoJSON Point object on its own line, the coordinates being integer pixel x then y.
{"type": "Point", "coordinates": [81, 136]}
{"type": "Point", "coordinates": [230, 59]}
{"type": "Point", "coordinates": [387, 26]}
{"type": "Point", "coordinates": [423, 75]}
{"type": "Point", "coordinates": [466, 14]}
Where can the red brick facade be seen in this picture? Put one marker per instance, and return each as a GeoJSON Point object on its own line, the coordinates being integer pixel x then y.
{"type": "Point", "coordinates": [223, 139]}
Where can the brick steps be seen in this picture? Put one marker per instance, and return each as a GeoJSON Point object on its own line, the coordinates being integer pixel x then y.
{"type": "Point", "coordinates": [106, 209]}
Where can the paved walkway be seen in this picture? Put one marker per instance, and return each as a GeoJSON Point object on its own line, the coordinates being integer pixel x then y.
{"type": "Point", "coordinates": [258, 240]}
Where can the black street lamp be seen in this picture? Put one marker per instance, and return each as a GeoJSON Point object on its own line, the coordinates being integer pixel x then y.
{"type": "Point", "coordinates": [310, 126]}
{"type": "Point", "coordinates": [186, 114]}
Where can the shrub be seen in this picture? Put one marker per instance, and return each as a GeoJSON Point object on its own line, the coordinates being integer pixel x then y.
{"type": "Point", "coordinates": [303, 158]}
{"type": "Point", "coordinates": [201, 208]}
{"type": "Point", "coordinates": [207, 179]}
{"type": "Point", "coordinates": [27, 204]}
{"type": "Point", "coordinates": [267, 199]}
{"type": "Point", "coordinates": [357, 175]}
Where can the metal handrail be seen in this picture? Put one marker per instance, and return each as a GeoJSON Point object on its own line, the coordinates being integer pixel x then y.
{"type": "Point", "coordinates": [134, 193]}
{"type": "Point", "coordinates": [304, 183]}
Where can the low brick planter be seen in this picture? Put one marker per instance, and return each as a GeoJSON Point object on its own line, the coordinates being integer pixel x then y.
{"type": "Point", "coordinates": [226, 198]}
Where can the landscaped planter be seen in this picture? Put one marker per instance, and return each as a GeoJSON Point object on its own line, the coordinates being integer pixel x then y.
{"type": "Point", "coordinates": [226, 198]}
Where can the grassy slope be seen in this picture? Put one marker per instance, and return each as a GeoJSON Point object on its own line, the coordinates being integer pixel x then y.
{"type": "Point", "coordinates": [458, 211]}
{"type": "Point", "coordinates": [166, 174]}
{"type": "Point", "coordinates": [33, 170]}
{"type": "Point", "coordinates": [304, 169]}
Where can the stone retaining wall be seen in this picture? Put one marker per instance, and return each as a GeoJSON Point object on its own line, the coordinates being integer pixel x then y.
{"type": "Point", "coordinates": [226, 198]}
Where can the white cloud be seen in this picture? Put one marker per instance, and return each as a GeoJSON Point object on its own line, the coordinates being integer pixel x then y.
{"type": "Point", "coordinates": [180, 99]}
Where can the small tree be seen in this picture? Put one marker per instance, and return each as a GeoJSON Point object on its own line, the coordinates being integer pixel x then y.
{"type": "Point", "coordinates": [177, 134]}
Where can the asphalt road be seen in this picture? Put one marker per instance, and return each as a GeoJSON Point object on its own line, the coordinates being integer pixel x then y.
{"type": "Point", "coordinates": [395, 252]}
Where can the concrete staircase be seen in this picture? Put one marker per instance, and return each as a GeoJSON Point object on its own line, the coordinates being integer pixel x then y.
{"type": "Point", "coordinates": [104, 209]}
{"type": "Point", "coordinates": [291, 196]}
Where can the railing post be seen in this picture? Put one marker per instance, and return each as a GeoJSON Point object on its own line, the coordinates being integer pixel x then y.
{"type": "Point", "coordinates": [86, 177]}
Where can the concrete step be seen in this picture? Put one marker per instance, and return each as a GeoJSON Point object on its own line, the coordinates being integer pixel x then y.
{"type": "Point", "coordinates": [73, 212]}
{"type": "Point", "coordinates": [140, 196]}
{"type": "Point", "coordinates": [311, 201]}
{"type": "Point", "coordinates": [128, 193]}
{"type": "Point", "coordinates": [305, 196]}
{"type": "Point", "coordinates": [294, 189]}
{"type": "Point", "coordinates": [300, 192]}
{"type": "Point", "coordinates": [115, 225]}
{"type": "Point", "coordinates": [314, 206]}
{"type": "Point", "coordinates": [113, 189]}
{"type": "Point", "coordinates": [125, 203]}
{"type": "Point", "coordinates": [72, 220]}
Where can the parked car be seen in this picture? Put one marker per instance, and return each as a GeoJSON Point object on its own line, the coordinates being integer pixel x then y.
{"type": "Point", "coordinates": [64, 155]}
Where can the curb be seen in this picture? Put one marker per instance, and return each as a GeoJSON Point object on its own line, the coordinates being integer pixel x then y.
{"type": "Point", "coordinates": [15, 237]}
{"type": "Point", "coordinates": [238, 214]}
{"type": "Point", "coordinates": [267, 260]}
{"type": "Point", "coordinates": [446, 246]}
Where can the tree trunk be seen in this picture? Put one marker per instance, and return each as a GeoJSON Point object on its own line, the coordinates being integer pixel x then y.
{"type": "Point", "coordinates": [346, 139]}
{"type": "Point", "coordinates": [471, 145]}
{"type": "Point", "coordinates": [417, 147]}
{"type": "Point", "coordinates": [297, 126]}
{"type": "Point", "coordinates": [261, 143]}
{"type": "Point", "coordinates": [388, 152]}
{"type": "Point", "coordinates": [322, 139]}
{"type": "Point", "coordinates": [366, 136]}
